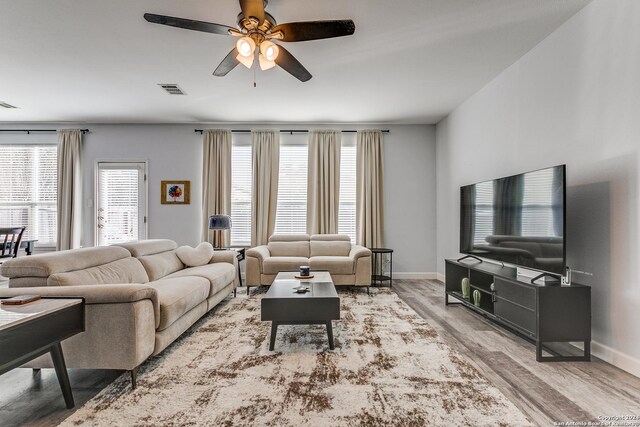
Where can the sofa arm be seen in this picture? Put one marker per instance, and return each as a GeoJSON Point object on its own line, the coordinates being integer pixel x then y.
{"type": "Point", "coordinates": [358, 251]}
{"type": "Point", "coordinates": [225, 256]}
{"type": "Point", "coordinates": [260, 252]}
{"type": "Point", "coordinates": [94, 294]}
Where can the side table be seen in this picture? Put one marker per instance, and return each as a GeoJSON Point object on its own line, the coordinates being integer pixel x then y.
{"type": "Point", "coordinates": [377, 266]}
{"type": "Point", "coordinates": [31, 330]}
{"type": "Point", "coordinates": [240, 257]}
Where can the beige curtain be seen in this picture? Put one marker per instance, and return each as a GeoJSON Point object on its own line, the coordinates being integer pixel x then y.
{"type": "Point", "coordinates": [264, 197]}
{"type": "Point", "coordinates": [69, 205]}
{"type": "Point", "coordinates": [216, 181]}
{"type": "Point", "coordinates": [370, 189]}
{"type": "Point", "coordinates": [323, 182]}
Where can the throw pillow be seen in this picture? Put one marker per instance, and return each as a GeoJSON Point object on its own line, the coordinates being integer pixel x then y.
{"type": "Point", "coordinates": [194, 257]}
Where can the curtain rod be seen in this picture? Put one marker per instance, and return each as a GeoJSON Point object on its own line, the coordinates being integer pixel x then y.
{"type": "Point", "coordinates": [289, 131]}
{"type": "Point", "coordinates": [28, 131]}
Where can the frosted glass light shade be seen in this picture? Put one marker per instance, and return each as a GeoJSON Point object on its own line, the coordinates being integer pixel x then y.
{"type": "Point", "coordinates": [265, 64]}
{"type": "Point", "coordinates": [246, 46]}
{"type": "Point", "coordinates": [244, 60]}
{"type": "Point", "coordinates": [269, 50]}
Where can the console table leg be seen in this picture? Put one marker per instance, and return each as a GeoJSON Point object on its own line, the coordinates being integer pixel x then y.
{"type": "Point", "coordinates": [274, 331]}
{"type": "Point", "coordinates": [538, 351]}
{"type": "Point", "coordinates": [330, 334]}
{"type": "Point", "coordinates": [61, 372]}
{"type": "Point", "coordinates": [587, 351]}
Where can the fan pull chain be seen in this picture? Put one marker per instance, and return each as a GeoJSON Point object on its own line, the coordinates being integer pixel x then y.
{"type": "Point", "coordinates": [254, 77]}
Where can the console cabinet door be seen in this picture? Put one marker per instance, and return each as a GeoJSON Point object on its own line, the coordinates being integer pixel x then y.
{"type": "Point", "coordinates": [515, 304]}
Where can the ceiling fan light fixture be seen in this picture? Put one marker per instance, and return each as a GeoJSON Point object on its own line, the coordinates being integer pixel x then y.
{"type": "Point", "coordinates": [265, 64]}
{"type": "Point", "coordinates": [247, 61]}
{"type": "Point", "coordinates": [269, 50]}
{"type": "Point", "coordinates": [246, 46]}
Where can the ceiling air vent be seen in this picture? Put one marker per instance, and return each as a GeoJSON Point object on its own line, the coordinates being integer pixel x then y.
{"type": "Point", "coordinates": [172, 89]}
{"type": "Point", "coordinates": [5, 105]}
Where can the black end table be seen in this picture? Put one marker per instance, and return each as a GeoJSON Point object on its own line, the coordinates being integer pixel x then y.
{"type": "Point", "coordinates": [377, 266]}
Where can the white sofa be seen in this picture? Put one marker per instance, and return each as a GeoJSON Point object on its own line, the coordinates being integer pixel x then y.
{"type": "Point", "coordinates": [348, 264]}
{"type": "Point", "coordinates": [139, 297]}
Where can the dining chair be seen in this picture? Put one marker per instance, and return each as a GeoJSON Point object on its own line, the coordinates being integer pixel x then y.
{"type": "Point", "coordinates": [10, 238]}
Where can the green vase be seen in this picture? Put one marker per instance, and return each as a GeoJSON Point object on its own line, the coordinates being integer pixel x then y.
{"type": "Point", "coordinates": [476, 298]}
{"type": "Point", "coordinates": [466, 287]}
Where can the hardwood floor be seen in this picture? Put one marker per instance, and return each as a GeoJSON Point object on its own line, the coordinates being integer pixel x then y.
{"type": "Point", "coordinates": [546, 392]}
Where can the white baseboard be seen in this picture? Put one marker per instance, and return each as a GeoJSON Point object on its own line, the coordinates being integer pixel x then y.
{"type": "Point", "coordinates": [440, 277]}
{"type": "Point", "coordinates": [616, 358]}
{"type": "Point", "coordinates": [417, 275]}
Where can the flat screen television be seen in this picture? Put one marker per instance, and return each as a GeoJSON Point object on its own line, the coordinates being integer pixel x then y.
{"type": "Point", "coordinates": [518, 219]}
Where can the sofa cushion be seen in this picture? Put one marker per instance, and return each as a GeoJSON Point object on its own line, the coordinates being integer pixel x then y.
{"type": "Point", "coordinates": [274, 265]}
{"type": "Point", "coordinates": [127, 270]}
{"type": "Point", "coordinates": [296, 245]}
{"type": "Point", "coordinates": [333, 264]}
{"type": "Point", "coordinates": [148, 247]}
{"type": "Point", "coordinates": [195, 257]}
{"type": "Point", "coordinates": [219, 275]}
{"type": "Point", "coordinates": [44, 265]}
{"type": "Point", "coordinates": [177, 296]}
{"type": "Point", "coordinates": [330, 245]}
{"type": "Point", "coordinates": [161, 265]}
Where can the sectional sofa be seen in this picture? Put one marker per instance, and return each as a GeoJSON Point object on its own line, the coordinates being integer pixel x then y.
{"type": "Point", "coordinates": [139, 297]}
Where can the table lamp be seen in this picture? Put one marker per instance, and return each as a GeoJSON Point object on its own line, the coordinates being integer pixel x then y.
{"type": "Point", "coordinates": [219, 223]}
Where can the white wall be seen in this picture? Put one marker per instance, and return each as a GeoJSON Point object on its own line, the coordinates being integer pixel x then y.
{"type": "Point", "coordinates": [574, 99]}
{"type": "Point", "coordinates": [174, 153]}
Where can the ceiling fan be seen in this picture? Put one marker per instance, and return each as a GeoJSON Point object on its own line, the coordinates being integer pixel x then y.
{"type": "Point", "coordinates": [255, 31]}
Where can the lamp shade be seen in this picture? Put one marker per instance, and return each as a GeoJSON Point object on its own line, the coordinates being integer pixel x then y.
{"type": "Point", "coordinates": [219, 222]}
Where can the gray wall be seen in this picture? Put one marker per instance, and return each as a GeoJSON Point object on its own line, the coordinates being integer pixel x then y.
{"type": "Point", "coordinates": [174, 152]}
{"type": "Point", "coordinates": [574, 99]}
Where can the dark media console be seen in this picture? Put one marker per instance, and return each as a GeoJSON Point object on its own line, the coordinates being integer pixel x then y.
{"type": "Point", "coordinates": [552, 317]}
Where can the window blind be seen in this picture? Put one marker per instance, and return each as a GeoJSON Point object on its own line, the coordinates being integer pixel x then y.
{"type": "Point", "coordinates": [291, 214]}
{"type": "Point", "coordinates": [118, 205]}
{"type": "Point", "coordinates": [28, 179]}
{"type": "Point", "coordinates": [241, 193]}
{"type": "Point", "coordinates": [347, 209]}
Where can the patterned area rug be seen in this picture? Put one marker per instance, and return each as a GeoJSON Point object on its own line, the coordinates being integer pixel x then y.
{"type": "Point", "coordinates": [389, 367]}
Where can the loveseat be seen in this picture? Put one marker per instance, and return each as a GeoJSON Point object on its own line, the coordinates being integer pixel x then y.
{"type": "Point", "coordinates": [139, 297]}
{"type": "Point", "coordinates": [348, 264]}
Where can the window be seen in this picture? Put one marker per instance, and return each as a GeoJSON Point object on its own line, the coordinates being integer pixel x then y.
{"type": "Point", "coordinates": [241, 191]}
{"type": "Point", "coordinates": [347, 212]}
{"type": "Point", "coordinates": [28, 177]}
{"type": "Point", "coordinates": [291, 215]}
{"type": "Point", "coordinates": [121, 207]}
{"type": "Point", "coordinates": [483, 215]}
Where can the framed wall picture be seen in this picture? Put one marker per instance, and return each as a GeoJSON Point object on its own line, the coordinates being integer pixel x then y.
{"type": "Point", "coordinates": [175, 192]}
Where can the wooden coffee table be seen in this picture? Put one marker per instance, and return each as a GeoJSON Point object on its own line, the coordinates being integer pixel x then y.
{"type": "Point", "coordinates": [283, 306]}
{"type": "Point", "coordinates": [31, 330]}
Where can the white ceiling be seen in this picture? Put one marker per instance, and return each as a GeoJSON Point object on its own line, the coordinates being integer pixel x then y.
{"type": "Point", "coordinates": [410, 61]}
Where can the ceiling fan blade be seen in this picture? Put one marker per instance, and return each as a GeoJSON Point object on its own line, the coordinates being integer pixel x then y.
{"type": "Point", "coordinates": [188, 24]}
{"type": "Point", "coordinates": [291, 65]}
{"type": "Point", "coordinates": [253, 8]}
{"type": "Point", "coordinates": [228, 63]}
{"type": "Point", "coordinates": [314, 30]}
